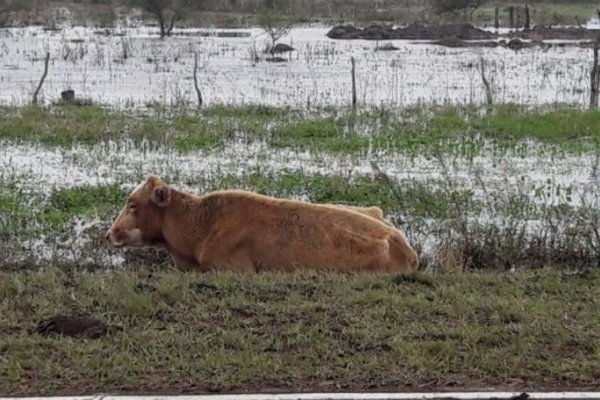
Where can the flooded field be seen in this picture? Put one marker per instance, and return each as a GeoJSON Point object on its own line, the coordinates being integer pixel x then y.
{"type": "Point", "coordinates": [58, 197]}
{"type": "Point", "coordinates": [132, 67]}
{"type": "Point", "coordinates": [517, 185]}
{"type": "Point", "coordinates": [500, 201]}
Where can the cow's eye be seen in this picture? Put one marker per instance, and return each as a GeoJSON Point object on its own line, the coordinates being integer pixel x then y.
{"type": "Point", "coordinates": [132, 207]}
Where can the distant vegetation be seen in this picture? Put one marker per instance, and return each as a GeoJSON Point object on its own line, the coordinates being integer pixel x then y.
{"type": "Point", "coordinates": [232, 13]}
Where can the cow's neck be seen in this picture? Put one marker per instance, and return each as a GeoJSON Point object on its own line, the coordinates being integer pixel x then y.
{"type": "Point", "coordinates": [180, 224]}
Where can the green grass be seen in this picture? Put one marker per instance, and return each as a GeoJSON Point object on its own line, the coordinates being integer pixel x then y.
{"type": "Point", "coordinates": [82, 201]}
{"type": "Point", "coordinates": [31, 215]}
{"type": "Point", "coordinates": [303, 331]}
{"type": "Point", "coordinates": [558, 126]}
{"type": "Point", "coordinates": [62, 205]}
{"type": "Point", "coordinates": [418, 199]}
{"type": "Point", "coordinates": [416, 131]}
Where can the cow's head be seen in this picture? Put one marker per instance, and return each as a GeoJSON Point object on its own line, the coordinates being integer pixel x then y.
{"type": "Point", "coordinates": [140, 222]}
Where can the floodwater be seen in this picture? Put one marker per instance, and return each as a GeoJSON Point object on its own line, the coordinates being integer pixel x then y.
{"type": "Point", "coordinates": [35, 170]}
{"type": "Point", "coordinates": [133, 67]}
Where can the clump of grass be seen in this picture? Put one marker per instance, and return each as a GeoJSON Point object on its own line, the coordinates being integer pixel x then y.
{"type": "Point", "coordinates": [413, 277]}
{"type": "Point", "coordinates": [84, 200]}
{"type": "Point", "coordinates": [530, 236]}
{"type": "Point", "coordinates": [554, 126]}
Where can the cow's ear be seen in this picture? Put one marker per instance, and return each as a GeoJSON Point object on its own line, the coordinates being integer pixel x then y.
{"type": "Point", "coordinates": [161, 196]}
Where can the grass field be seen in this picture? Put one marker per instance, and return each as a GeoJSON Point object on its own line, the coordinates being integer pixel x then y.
{"type": "Point", "coordinates": [416, 130]}
{"type": "Point", "coordinates": [221, 332]}
{"type": "Point", "coordinates": [501, 204]}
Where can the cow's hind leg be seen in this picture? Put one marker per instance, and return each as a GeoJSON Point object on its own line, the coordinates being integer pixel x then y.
{"type": "Point", "coordinates": [237, 259]}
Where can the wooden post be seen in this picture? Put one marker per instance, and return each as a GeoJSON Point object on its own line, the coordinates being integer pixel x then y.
{"type": "Point", "coordinates": [511, 16]}
{"type": "Point", "coordinates": [488, 89]}
{"type": "Point", "coordinates": [595, 77]}
{"type": "Point", "coordinates": [497, 18]}
{"type": "Point", "coordinates": [595, 74]}
{"type": "Point", "coordinates": [198, 93]}
{"type": "Point", "coordinates": [353, 83]}
{"type": "Point", "coordinates": [37, 91]}
{"type": "Point", "coordinates": [526, 17]}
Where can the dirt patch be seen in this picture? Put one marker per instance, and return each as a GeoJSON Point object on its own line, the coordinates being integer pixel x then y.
{"type": "Point", "coordinates": [75, 326]}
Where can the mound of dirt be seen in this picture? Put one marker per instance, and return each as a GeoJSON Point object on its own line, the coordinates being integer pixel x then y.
{"type": "Point", "coordinates": [282, 48]}
{"type": "Point", "coordinates": [75, 326]}
{"type": "Point", "coordinates": [413, 32]}
{"type": "Point", "coordinates": [462, 31]}
{"type": "Point", "coordinates": [518, 44]}
{"type": "Point", "coordinates": [387, 47]}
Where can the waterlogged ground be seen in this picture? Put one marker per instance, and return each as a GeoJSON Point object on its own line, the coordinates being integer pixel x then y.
{"type": "Point", "coordinates": [133, 67]}
{"type": "Point", "coordinates": [506, 188]}
{"type": "Point", "coordinates": [520, 200]}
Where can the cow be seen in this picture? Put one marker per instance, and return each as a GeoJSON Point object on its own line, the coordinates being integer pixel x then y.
{"type": "Point", "coordinates": [245, 231]}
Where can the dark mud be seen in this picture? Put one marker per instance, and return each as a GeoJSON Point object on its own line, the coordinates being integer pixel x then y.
{"type": "Point", "coordinates": [75, 325]}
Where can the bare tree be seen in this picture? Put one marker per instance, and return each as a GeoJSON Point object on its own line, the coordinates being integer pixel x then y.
{"type": "Point", "coordinates": [34, 101]}
{"type": "Point", "coordinates": [275, 26]}
{"type": "Point", "coordinates": [167, 12]}
{"type": "Point", "coordinates": [488, 88]}
{"type": "Point", "coordinates": [9, 7]}
{"type": "Point", "coordinates": [198, 92]}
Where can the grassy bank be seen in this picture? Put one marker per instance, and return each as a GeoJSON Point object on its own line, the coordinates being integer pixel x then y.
{"type": "Point", "coordinates": [221, 332]}
{"type": "Point", "coordinates": [454, 130]}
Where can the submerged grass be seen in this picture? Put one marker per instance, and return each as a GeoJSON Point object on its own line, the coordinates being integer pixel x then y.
{"type": "Point", "coordinates": [478, 227]}
{"type": "Point", "coordinates": [82, 201]}
{"type": "Point", "coordinates": [222, 332]}
{"type": "Point", "coordinates": [414, 131]}
{"type": "Point", "coordinates": [442, 221]}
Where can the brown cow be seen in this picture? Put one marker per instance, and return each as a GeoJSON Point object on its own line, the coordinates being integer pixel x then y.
{"type": "Point", "coordinates": [251, 232]}
{"type": "Point", "coordinates": [373, 211]}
